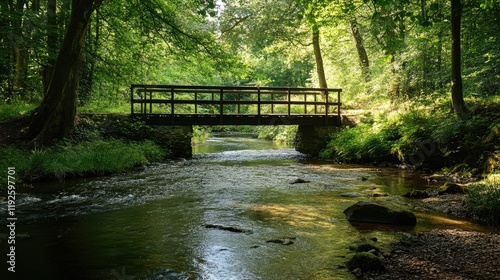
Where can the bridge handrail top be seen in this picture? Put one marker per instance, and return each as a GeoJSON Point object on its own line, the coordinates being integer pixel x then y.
{"type": "Point", "coordinates": [147, 86]}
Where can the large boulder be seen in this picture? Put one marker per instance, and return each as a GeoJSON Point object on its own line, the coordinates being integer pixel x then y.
{"type": "Point", "coordinates": [373, 213]}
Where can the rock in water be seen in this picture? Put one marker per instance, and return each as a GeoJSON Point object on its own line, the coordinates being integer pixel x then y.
{"type": "Point", "coordinates": [417, 194]}
{"type": "Point", "coordinates": [300, 181]}
{"type": "Point", "coordinates": [373, 213]}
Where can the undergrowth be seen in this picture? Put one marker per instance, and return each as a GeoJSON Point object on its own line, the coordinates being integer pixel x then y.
{"type": "Point", "coordinates": [483, 200]}
{"type": "Point", "coordinates": [69, 160]}
{"type": "Point", "coordinates": [16, 110]}
{"type": "Point", "coordinates": [422, 139]}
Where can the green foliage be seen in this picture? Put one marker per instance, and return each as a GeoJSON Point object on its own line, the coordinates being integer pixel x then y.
{"type": "Point", "coordinates": [200, 134]}
{"type": "Point", "coordinates": [129, 129]}
{"type": "Point", "coordinates": [117, 106]}
{"type": "Point", "coordinates": [92, 158]}
{"type": "Point", "coordinates": [361, 144]}
{"type": "Point", "coordinates": [483, 200]}
{"type": "Point", "coordinates": [422, 138]}
{"type": "Point", "coordinates": [278, 133]}
{"type": "Point", "coordinates": [12, 111]}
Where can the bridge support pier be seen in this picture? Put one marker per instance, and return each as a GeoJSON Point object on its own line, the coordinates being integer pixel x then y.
{"type": "Point", "coordinates": [312, 139]}
{"type": "Point", "coordinates": [175, 139]}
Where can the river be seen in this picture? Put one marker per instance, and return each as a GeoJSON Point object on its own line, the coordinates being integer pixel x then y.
{"type": "Point", "coordinates": [234, 211]}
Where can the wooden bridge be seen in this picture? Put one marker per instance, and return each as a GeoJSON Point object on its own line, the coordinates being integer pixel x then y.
{"type": "Point", "coordinates": [226, 105]}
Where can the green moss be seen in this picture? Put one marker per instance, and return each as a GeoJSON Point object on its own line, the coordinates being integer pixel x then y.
{"type": "Point", "coordinates": [368, 248]}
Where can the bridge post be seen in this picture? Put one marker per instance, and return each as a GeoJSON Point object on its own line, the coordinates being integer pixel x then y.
{"type": "Point", "coordinates": [175, 139]}
{"type": "Point", "coordinates": [312, 139]}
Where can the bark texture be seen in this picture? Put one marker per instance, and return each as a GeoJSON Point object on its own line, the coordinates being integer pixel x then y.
{"type": "Point", "coordinates": [54, 118]}
{"type": "Point", "coordinates": [360, 48]}
{"type": "Point", "coordinates": [319, 59]}
{"type": "Point", "coordinates": [457, 97]}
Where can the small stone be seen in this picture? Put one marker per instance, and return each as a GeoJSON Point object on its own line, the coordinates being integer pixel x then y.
{"type": "Point", "coordinates": [300, 181]}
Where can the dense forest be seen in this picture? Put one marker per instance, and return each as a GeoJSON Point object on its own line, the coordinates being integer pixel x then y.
{"type": "Point", "coordinates": [420, 98]}
{"type": "Point", "coordinates": [374, 50]}
{"type": "Point", "coordinates": [422, 76]}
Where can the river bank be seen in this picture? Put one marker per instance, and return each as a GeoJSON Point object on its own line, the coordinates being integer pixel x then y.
{"type": "Point", "coordinates": [405, 258]}
{"type": "Point", "coordinates": [441, 253]}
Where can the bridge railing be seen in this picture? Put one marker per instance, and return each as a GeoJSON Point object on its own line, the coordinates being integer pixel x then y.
{"type": "Point", "coordinates": [174, 100]}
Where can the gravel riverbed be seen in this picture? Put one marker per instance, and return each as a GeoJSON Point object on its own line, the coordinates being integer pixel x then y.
{"type": "Point", "coordinates": [442, 254]}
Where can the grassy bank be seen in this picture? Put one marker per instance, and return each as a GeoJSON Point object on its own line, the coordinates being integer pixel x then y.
{"type": "Point", "coordinates": [75, 160]}
{"type": "Point", "coordinates": [16, 110]}
{"type": "Point", "coordinates": [423, 139]}
{"type": "Point", "coordinates": [483, 200]}
{"type": "Point", "coordinates": [431, 140]}
{"type": "Point", "coordinates": [98, 146]}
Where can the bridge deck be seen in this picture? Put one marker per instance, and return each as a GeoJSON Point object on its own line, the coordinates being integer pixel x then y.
{"type": "Point", "coordinates": [210, 105]}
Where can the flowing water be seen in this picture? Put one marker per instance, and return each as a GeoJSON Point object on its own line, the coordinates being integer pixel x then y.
{"type": "Point", "coordinates": [232, 212]}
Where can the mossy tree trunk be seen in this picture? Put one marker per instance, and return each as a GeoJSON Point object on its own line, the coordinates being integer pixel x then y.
{"type": "Point", "coordinates": [54, 118]}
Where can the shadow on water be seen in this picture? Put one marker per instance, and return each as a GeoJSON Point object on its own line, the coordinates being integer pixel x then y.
{"type": "Point", "coordinates": [232, 212]}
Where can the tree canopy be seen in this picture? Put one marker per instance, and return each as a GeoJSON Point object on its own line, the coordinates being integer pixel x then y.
{"type": "Point", "coordinates": [374, 50]}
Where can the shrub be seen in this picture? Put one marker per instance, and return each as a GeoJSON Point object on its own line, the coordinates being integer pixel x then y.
{"type": "Point", "coordinates": [92, 158]}
{"type": "Point", "coordinates": [278, 133]}
{"type": "Point", "coordinates": [483, 201]}
{"type": "Point", "coordinates": [362, 143]}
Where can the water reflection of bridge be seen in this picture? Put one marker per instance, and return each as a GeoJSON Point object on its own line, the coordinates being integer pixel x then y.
{"type": "Point", "coordinates": [227, 105]}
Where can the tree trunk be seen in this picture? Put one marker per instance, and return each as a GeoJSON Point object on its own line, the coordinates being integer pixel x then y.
{"type": "Point", "coordinates": [54, 118]}
{"type": "Point", "coordinates": [457, 97]}
{"type": "Point", "coordinates": [362, 55]}
{"type": "Point", "coordinates": [19, 48]}
{"type": "Point", "coordinates": [89, 62]}
{"type": "Point", "coordinates": [319, 59]}
{"type": "Point", "coordinates": [6, 51]}
{"type": "Point", "coordinates": [52, 43]}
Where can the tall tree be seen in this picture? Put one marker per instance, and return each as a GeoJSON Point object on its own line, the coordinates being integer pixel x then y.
{"type": "Point", "coordinates": [20, 52]}
{"type": "Point", "coordinates": [6, 51]}
{"type": "Point", "coordinates": [52, 44]}
{"type": "Point", "coordinates": [320, 68]}
{"type": "Point", "coordinates": [364, 63]}
{"type": "Point", "coordinates": [54, 118]}
{"type": "Point", "coordinates": [456, 62]}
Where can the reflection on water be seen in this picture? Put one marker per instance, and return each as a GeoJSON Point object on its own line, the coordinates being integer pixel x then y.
{"type": "Point", "coordinates": [153, 224]}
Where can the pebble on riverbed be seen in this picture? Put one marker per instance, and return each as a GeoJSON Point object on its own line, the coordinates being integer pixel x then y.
{"type": "Point", "coordinates": [299, 181]}
{"type": "Point", "coordinates": [443, 254]}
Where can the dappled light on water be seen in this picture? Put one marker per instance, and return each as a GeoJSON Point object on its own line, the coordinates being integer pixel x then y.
{"type": "Point", "coordinates": [244, 210]}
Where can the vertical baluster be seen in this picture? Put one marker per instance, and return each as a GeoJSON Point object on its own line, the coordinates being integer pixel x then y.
{"type": "Point", "coordinates": [315, 105]}
{"type": "Point", "coordinates": [258, 104]}
{"type": "Point", "coordinates": [196, 102]}
{"type": "Point", "coordinates": [289, 104]}
{"type": "Point", "coordinates": [221, 106]}
{"type": "Point", "coordinates": [150, 102]}
{"type": "Point", "coordinates": [305, 103]}
{"type": "Point", "coordinates": [172, 110]}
